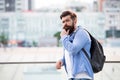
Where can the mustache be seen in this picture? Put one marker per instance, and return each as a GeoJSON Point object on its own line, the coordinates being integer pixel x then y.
{"type": "Point", "coordinates": [67, 27]}
{"type": "Point", "coordinates": [70, 28]}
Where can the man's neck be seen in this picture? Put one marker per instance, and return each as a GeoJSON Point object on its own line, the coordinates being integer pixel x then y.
{"type": "Point", "coordinates": [75, 27]}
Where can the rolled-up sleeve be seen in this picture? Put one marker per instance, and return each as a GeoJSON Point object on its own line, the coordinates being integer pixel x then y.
{"type": "Point", "coordinates": [78, 42]}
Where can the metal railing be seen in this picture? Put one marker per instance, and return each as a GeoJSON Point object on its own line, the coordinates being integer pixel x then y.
{"type": "Point", "coordinates": [36, 70]}
{"type": "Point", "coordinates": [43, 62]}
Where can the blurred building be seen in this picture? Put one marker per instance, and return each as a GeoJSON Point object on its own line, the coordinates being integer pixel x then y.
{"type": "Point", "coordinates": [106, 6]}
{"type": "Point", "coordinates": [16, 5]}
{"type": "Point", "coordinates": [78, 6]}
{"type": "Point", "coordinates": [111, 9]}
{"type": "Point", "coordinates": [30, 27]}
{"type": "Point", "coordinates": [40, 27]}
{"type": "Point", "coordinates": [74, 5]}
{"type": "Point", "coordinates": [95, 6]}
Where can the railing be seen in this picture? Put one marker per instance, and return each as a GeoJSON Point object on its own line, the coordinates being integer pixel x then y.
{"type": "Point", "coordinates": [44, 62]}
{"type": "Point", "coordinates": [45, 70]}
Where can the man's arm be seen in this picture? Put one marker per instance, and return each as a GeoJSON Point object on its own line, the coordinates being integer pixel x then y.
{"type": "Point", "coordinates": [78, 43]}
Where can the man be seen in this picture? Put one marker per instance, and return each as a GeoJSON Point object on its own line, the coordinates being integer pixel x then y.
{"type": "Point", "coordinates": [73, 39]}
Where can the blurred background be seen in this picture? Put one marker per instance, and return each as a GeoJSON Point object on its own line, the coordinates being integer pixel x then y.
{"type": "Point", "coordinates": [29, 36]}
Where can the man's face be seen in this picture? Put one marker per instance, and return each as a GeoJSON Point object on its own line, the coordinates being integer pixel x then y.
{"type": "Point", "coordinates": [68, 23]}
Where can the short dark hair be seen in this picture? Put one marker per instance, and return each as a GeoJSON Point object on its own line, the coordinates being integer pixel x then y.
{"type": "Point", "coordinates": [66, 13]}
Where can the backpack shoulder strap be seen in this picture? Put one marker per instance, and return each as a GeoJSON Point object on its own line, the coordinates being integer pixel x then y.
{"type": "Point", "coordinates": [86, 54]}
{"type": "Point", "coordinates": [88, 33]}
{"type": "Point", "coordinates": [85, 50]}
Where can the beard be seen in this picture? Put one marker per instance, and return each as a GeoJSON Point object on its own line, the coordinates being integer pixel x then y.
{"type": "Point", "coordinates": [70, 28]}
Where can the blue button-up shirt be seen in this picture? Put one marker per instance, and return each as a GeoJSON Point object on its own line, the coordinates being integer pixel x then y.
{"type": "Point", "coordinates": [74, 43]}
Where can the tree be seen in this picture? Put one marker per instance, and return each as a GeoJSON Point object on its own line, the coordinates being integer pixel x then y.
{"type": "Point", "coordinates": [34, 44]}
{"type": "Point", "coordinates": [57, 35]}
{"type": "Point", "coordinates": [3, 39]}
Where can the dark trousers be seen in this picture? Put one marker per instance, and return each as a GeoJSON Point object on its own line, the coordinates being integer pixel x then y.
{"type": "Point", "coordinates": [79, 79]}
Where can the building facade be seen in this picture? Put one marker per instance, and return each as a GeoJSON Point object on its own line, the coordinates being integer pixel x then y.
{"type": "Point", "coordinates": [111, 9]}
{"type": "Point", "coordinates": [16, 5]}
{"type": "Point", "coordinates": [41, 27]}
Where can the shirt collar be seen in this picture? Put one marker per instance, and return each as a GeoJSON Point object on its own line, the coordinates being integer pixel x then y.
{"type": "Point", "coordinates": [76, 29]}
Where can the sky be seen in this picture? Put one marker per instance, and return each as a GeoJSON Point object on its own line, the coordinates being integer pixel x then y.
{"type": "Point", "coordinates": [45, 3]}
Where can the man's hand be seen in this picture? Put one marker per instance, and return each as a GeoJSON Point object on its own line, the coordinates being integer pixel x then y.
{"type": "Point", "coordinates": [64, 32]}
{"type": "Point", "coordinates": [59, 64]}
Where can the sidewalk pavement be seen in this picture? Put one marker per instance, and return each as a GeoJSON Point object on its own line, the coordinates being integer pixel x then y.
{"type": "Point", "coordinates": [46, 54]}
{"type": "Point", "coordinates": [30, 54]}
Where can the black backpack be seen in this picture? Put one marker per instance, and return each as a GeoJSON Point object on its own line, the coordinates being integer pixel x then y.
{"type": "Point", "coordinates": [98, 58]}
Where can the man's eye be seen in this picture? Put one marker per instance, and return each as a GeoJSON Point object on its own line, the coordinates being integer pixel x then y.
{"type": "Point", "coordinates": [63, 22]}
